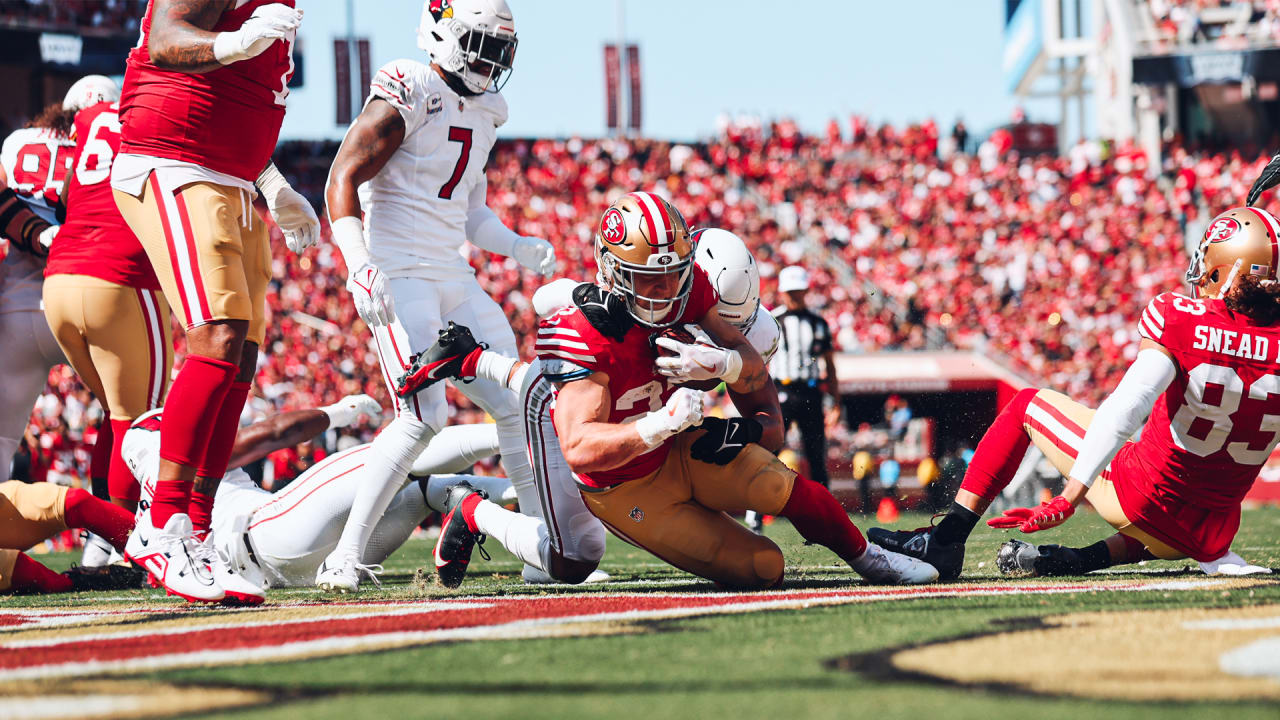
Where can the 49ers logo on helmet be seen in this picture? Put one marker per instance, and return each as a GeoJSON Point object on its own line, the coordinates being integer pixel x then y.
{"type": "Point", "coordinates": [1222, 229]}
{"type": "Point", "coordinates": [612, 227]}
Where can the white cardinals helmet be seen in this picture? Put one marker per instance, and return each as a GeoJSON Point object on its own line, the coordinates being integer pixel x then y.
{"type": "Point", "coordinates": [90, 90]}
{"type": "Point", "coordinates": [472, 40]}
{"type": "Point", "coordinates": [733, 273]}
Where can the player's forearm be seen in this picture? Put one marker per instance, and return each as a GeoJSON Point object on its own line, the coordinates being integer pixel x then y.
{"type": "Point", "coordinates": [1122, 413]}
{"type": "Point", "coordinates": [597, 446]}
{"type": "Point", "coordinates": [276, 433]}
{"type": "Point", "coordinates": [762, 405]}
{"type": "Point", "coordinates": [753, 376]}
{"type": "Point", "coordinates": [180, 37]}
{"type": "Point", "coordinates": [486, 231]}
{"type": "Point", "coordinates": [20, 225]}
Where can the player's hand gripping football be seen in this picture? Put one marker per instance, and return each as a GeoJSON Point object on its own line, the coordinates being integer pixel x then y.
{"type": "Point", "coordinates": [368, 288]}
{"type": "Point", "coordinates": [725, 438]}
{"type": "Point", "coordinates": [537, 255]}
{"type": "Point", "coordinates": [266, 25]}
{"type": "Point", "coordinates": [348, 409]}
{"type": "Point", "coordinates": [701, 359]}
{"type": "Point", "coordinates": [1049, 515]}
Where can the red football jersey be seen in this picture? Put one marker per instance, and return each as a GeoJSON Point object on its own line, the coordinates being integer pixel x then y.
{"type": "Point", "coordinates": [226, 120]}
{"type": "Point", "coordinates": [95, 240]}
{"type": "Point", "coordinates": [568, 336]}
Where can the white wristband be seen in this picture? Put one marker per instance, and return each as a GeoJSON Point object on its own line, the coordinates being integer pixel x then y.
{"type": "Point", "coordinates": [348, 235]}
{"type": "Point", "coordinates": [653, 429]}
{"type": "Point", "coordinates": [271, 182]}
{"type": "Point", "coordinates": [227, 49]}
{"type": "Point", "coordinates": [732, 367]}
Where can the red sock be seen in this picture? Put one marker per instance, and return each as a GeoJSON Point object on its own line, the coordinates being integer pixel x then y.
{"type": "Point", "coordinates": [111, 522]}
{"type": "Point", "coordinates": [120, 480]}
{"type": "Point", "coordinates": [1000, 451]}
{"type": "Point", "coordinates": [100, 462]}
{"type": "Point", "coordinates": [31, 575]}
{"type": "Point", "coordinates": [193, 405]}
{"type": "Point", "coordinates": [221, 442]}
{"type": "Point", "coordinates": [819, 518]}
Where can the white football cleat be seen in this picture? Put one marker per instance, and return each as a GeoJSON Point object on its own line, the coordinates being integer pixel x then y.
{"type": "Point", "coordinates": [239, 589]}
{"type": "Point", "coordinates": [343, 574]}
{"type": "Point", "coordinates": [534, 576]}
{"type": "Point", "coordinates": [169, 556]}
{"type": "Point", "coordinates": [885, 567]}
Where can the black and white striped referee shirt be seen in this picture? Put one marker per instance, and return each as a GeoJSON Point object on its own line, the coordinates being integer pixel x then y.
{"type": "Point", "coordinates": [806, 337]}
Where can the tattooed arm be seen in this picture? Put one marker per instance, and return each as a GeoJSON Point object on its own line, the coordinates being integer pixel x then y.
{"type": "Point", "coordinates": [180, 37]}
{"type": "Point", "coordinates": [372, 139]}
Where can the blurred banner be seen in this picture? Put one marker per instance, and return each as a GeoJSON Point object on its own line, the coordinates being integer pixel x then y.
{"type": "Point", "coordinates": [612, 78]}
{"type": "Point", "coordinates": [633, 76]}
{"type": "Point", "coordinates": [342, 81]}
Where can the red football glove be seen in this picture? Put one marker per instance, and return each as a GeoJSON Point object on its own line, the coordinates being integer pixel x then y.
{"type": "Point", "coordinates": [1029, 520]}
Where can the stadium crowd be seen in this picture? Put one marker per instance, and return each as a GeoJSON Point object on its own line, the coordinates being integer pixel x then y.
{"type": "Point", "coordinates": [81, 15]}
{"type": "Point", "coordinates": [1045, 260]}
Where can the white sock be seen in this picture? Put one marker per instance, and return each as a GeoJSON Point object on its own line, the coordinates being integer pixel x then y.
{"type": "Point", "coordinates": [97, 551]}
{"type": "Point", "coordinates": [387, 470]}
{"type": "Point", "coordinates": [495, 366]}
{"type": "Point", "coordinates": [523, 536]}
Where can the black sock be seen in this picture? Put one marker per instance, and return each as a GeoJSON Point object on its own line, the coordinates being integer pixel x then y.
{"type": "Point", "coordinates": [956, 525]}
{"type": "Point", "coordinates": [1095, 557]}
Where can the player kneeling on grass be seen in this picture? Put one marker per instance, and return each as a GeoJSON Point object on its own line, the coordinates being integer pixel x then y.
{"type": "Point", "coordinates": [620, 418]}
{"type": "Point", "coordinates": [1207, 374]}
{"type": "Point", "coordinates": [280, 539]}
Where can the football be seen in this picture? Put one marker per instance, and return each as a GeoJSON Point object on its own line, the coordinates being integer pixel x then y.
{"type": "Point", "coordinates": [679, 333]}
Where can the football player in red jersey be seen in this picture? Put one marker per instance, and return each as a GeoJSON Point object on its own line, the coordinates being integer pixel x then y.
{"type": "Point", "coordinates": [620, 418]}
{"type": "Point", "coordinates": [201, 107]}
{"type": "Point", "coordinates": [1208, 375]}
{"type": "Point", "coordinates": [101, 297]}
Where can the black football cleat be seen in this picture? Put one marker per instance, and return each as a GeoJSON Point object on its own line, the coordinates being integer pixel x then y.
{"type": "Point", "coordinates": [453, 547]}
{"type": "Point", "coordinates": [443, 360]}
{"type": "Point", "coordinates": [107, 577]}
{"type": "Point", "coordinates": [1018, 558]}
{"type": "Point", "coordinates": [948, 559]}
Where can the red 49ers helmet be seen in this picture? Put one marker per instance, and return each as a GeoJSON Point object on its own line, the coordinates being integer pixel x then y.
{"type": "Point", "coordinates": [642, 237]}
{"type": "Point", "coordinates": [1242, 240]}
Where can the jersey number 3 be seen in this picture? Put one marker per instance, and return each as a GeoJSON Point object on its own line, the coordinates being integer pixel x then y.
{"type": "Point", "coordinates": [458, 135]}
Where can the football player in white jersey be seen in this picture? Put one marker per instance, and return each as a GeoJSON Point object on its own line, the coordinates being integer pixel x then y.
{"type": "Point", "coordinates": [559, 539]}
{"type": "Point", "coordinates": [34, 162]}
{"type": "Point", "coordinates": [279, 539]}
{"type": "Point", "coordinates": [414, 161]}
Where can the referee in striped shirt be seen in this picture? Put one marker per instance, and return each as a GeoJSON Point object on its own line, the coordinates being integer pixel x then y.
{"type": "Point", "coordinates": [804, 368]}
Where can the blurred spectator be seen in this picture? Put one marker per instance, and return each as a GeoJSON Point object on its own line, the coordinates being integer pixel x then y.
{"type": "Point", "coordinates": [896, 415]}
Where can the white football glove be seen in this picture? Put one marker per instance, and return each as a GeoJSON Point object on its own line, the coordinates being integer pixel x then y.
{"type": "Point", "coordinates": [368, 288]}
{"type": "Point", "coordinates": [536, 254]}
{"type": "Point", "coordinates": [292, 212]}
{"type": "Point", "coordinates": [345, 411]}
{"type": "Point", "coordinates": [682, 411]}
{"type": "Point", "coordinates": [48, 234]}
{"type": "Point", "coordinates": [266, 25]}
{"type": "Point", "coordinates": [702, 360]}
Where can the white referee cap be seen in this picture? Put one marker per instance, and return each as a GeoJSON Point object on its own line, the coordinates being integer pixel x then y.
{"type": "Point", "coordinates": [793, 277]}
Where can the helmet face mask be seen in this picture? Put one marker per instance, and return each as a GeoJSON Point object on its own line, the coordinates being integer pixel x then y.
{"type": "Point", "coordinates": [1241, 240]}
{"type": "Point", "coordinates": [645, 258]}
{"type": "Point", "coordinates": [474, 41]}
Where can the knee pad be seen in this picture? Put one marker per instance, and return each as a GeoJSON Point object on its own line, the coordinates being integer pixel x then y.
{"type": "Point", "coordinates": [770, 488]}
{"type": "Point", "coordinates": [756, 567]}
{"type": "Point", "coordinates": [588, 539]}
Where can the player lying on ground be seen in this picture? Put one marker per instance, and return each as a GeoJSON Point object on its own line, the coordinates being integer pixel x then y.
{"type": "Point", "coordinates": [412, 166]}
{"type": "Point", "coordinates": [1207, 373]}
{"type": "Point", "coordinates": [280, 539]}
{"type": "Point", "coordinates": [619, 417]}
{"type": "Point", "coordinates": [32, 513]}
{"type": "Point", "coordinates": [559, 538]}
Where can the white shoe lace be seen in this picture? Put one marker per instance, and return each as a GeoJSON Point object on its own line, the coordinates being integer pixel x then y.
{"type": "Point", "coordinates": [373, 571]}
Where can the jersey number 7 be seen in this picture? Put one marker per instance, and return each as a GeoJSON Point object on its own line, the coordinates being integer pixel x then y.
{"type": "Point", "coordinates": [458, 135]}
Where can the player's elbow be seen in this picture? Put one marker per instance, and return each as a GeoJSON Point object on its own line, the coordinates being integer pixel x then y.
{"type": "Point", "coordinates": [583, 456]}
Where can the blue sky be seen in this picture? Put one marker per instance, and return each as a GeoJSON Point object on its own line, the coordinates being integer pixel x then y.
{"type": "Point", "coordinates": [894, 60]}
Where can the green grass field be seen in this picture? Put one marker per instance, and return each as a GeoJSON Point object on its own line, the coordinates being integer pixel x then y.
{"type": "Point", "coordinates": [760, 664]}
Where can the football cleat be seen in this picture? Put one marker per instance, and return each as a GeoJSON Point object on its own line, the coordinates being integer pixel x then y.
{"type": "Point", "coordinates": [168, 555]}
{"type": "Point", "coordinates": [1022, 559]}
{"type": "Point", "coordinates": [245, 589]}
{"type": "Point", "coordinates": [453, 547]}
{"type": "Point", "coordinates": [885, 567]}
{"type": "Point", "coordinates": [919, 544]}
{"type": "Point", "coordinates": [105, 577]}
{"type": "Point", "coordinates": [342, 575]}
{"type": "Point", "coordinates": [534, 576]}
{"type": "Point", "coordinates": [444, 359]}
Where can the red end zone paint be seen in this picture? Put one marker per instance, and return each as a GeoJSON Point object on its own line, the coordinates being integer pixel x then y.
{"type": "Point", "coordinates": [316, 629]}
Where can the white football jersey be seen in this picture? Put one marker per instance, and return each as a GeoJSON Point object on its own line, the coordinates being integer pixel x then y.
{"type": "Point", "coordinates": [36, 162]}
{"type": "Point", "coordinates": [416, 206]}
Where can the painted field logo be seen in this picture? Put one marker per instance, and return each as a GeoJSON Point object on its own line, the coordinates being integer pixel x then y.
{"type": "Point", "coordinates": [36, 644]}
